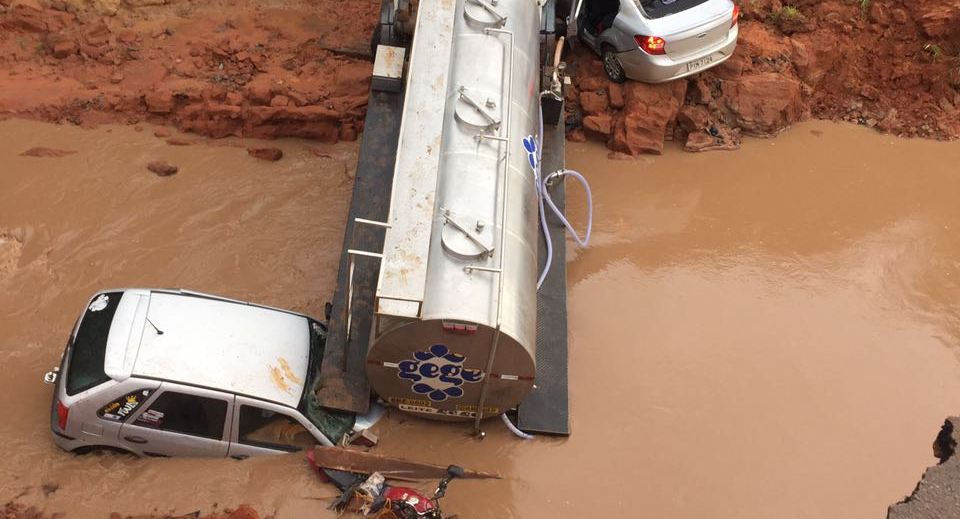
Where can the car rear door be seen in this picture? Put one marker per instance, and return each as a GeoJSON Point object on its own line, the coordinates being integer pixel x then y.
{"type": "Point", "coordinates": [116, 406]}
{"type": "Point", "coordinates": [265, 428]}
{"type": "Point", "coordinates": [180, 421]}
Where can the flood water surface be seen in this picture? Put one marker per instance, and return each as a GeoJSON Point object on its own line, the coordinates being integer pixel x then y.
{"type": "Point", "coordinates": [771, 332]}
{"type": "Point", "coordinates": [765, 333]}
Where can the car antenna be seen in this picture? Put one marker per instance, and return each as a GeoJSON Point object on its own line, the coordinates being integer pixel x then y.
{"type": "Point", "coordinates": [159, 331]}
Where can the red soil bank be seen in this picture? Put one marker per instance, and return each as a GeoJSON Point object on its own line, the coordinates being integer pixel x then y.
{"type": "Point", "coordinates": [209, 67]}
{"type": "Point", "coordinates": [890, 64]}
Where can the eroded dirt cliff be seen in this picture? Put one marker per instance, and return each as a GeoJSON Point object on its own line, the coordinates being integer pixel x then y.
{"type": "Point", "coordinates": [216, 68]}
{"type": "Point", "coordinates": [888, 64]}
{"type": "Point", "coordinates": [298, 68]}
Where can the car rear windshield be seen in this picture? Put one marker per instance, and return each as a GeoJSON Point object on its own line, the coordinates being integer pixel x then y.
{"type": "Point", "coordinates": [661, 8]}
{"type": "Point", "coordinates": [85, 362]}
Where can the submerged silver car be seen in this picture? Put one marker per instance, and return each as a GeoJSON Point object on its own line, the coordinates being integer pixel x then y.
{"type": "Point", "coordinates": [658, 40]}
{"type": "Point", "coordinates": [179, 373]}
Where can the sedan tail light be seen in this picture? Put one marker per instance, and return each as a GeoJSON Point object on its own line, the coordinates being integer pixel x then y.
{"type": "Point", "coordinates": [62, 413]}
{"type": "Point", "coordinates": [651, 44]}
{"type": "Point", "coordinates": [736, 16]}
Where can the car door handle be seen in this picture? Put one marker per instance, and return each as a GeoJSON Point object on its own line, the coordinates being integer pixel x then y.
{"type": "Point", "coordinates": [135, 439]}
{"type": "Point", "coordinates": [240, 456]}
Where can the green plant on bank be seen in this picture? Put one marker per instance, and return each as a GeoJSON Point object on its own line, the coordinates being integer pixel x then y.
{"type": "Point", "coordinates": [789, 13]}
{"type": "Point", "coordinates": [935, 51]}
{"type": "Point", "coordinates": [864, 7]}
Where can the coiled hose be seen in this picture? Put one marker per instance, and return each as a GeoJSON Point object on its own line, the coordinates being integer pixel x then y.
{"type": "Point", "coordinates": [543, 195]}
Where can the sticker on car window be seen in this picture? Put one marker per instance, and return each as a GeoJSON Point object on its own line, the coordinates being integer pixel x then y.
{"type": "Point", "coordinates": [119, 409]}
{"type": "Point", "coordinates": [150, 418]}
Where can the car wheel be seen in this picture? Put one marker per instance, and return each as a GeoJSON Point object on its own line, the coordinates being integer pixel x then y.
{"type": "Point", "coordinates": [612, 66]}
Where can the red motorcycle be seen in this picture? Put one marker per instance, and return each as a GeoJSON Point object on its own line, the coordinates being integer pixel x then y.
{"type": "Point", "coordinates": [376, 498]}
{"type": "Point", "coordinates": [408, 503]}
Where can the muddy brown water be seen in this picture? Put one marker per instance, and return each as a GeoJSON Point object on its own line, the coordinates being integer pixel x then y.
{"type": "Point", "coordinates": [765, 333]}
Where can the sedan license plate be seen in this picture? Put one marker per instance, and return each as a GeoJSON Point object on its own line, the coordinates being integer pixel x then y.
{"type": "Point", "coordinates": [699, 64]}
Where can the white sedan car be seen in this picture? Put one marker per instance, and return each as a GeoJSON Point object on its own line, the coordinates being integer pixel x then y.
{"type": "Point", "coordinates": [658, 40]}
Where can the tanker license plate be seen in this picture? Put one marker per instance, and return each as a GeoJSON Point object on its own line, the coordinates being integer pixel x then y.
{"type": "Point", "coordinates": [699, 64]}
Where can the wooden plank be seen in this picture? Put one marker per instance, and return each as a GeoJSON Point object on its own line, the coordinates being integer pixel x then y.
{"type": "Point", "coordinates": [349, 460]}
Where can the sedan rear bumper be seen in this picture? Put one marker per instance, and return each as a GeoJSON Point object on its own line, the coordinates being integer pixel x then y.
{"type": "Point", "coordinates": [641, 66]}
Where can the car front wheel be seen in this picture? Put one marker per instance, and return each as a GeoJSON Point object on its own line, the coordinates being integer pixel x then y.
{"type": "Point", "coordinates": [612, 66]}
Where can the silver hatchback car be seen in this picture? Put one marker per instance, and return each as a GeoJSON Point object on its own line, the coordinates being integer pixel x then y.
{"type": "Point", "coordinates": [179, 373]}
{"type": "Point", "coordinates": [658, 40]}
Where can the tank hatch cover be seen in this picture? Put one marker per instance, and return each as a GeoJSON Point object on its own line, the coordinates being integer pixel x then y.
{"type": "Point", "coordinates": [465, 237]}
{"type": "Point", "coordinates": [483, 14]}
{"type": "Point", "coordinates": [477, 110]}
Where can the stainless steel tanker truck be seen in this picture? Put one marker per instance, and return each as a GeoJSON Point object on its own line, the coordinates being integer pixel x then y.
{"type": "Point", "coordinates": [436, 310]}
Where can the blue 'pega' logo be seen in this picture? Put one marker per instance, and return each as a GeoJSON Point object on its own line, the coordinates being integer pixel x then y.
{"type": "Point", "coordinates": [530, 145]}
{"type": "Point", "coordinates": [438, 373]}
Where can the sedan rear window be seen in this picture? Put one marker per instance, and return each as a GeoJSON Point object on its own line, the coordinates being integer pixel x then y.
{"type": "Point", "coordinates": [660, 8]}
{"type": "Point", "coordinates": [85, 363]}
